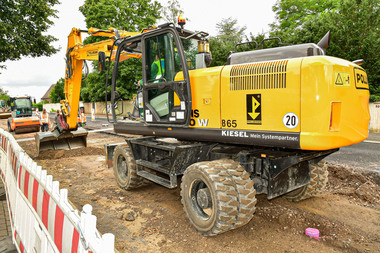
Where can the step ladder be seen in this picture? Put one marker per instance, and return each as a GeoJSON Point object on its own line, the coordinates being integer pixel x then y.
{"type": "Point", "coordinates": [162, 160]}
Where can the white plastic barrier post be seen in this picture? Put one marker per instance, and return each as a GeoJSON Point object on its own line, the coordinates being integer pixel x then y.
{"type": "Point", "coordinates": [42, 219]}
{"type": "Point", "coordinates": [92, 114]}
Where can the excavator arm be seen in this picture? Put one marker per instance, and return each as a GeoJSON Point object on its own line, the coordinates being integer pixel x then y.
{"type": "Point", "coordinates": [76, 54]}
{"type": "Point", "coordinates": [70, 137]}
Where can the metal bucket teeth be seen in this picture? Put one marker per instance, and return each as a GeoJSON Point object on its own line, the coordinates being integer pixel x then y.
{"type": "Point", "coordinates": [52, 140]}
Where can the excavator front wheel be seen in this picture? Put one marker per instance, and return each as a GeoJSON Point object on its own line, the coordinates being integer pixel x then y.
{"type": "Point", "coordinates": [125, 168]}
{"type": "Point", "coordinates": [217, 196]}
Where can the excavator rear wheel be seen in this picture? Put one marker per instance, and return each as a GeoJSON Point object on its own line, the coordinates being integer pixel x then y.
{"type": "Point", "coordinates": [125, 169]}
{"type": "Point", "coordinates": [217, 196]}
{"type": "Point", "coordinates": [318, 180]}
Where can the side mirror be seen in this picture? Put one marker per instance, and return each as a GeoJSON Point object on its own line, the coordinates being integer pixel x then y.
{"type": "Point", "coordinates": [102, 61]}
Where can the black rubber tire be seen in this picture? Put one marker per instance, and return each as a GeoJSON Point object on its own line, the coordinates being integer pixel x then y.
{"type": "Point", "coordinates": [318, 180]}
{"type": "Point", "coordinates": [9, 127]}
{"type": "Point", "coordinates": [231, 192]}
{"type": "Point", "coordinates": [125, 169]}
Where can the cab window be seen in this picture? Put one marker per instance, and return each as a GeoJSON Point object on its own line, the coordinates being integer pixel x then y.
{"type": "Point", "coordinates": [162, 62]}
{"type": "Point", "coordinates": [162, 66]}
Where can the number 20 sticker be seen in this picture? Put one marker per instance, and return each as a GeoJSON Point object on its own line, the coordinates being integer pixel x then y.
{"type": "Point", "coordinates": [290, 120]}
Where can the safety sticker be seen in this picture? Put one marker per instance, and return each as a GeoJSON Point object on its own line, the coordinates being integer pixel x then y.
{"type": "Point", "coordinates": [148, 116]}
{"type": "Point", "coordinates": [254, 109]}
{"type": "Point", "coordinates": [290, 120]}
{"type": "Point", "coordinates": [180, 115]}
{"type": "Point", "coordinates": [92, 53]}
{"type": "Point", "coordinates": [341, 79]}
{"type": "Point", "coordinates": [361, 81]}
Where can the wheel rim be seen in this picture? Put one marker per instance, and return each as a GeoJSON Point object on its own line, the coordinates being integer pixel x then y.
{"type": "Point", "coordinates": [122, 170]}
{"type": "Point", "coordinates": [201, 199]}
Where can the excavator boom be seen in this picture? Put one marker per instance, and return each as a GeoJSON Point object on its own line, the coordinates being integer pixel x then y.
{"type": "Point", "coordinates": [66, 135]}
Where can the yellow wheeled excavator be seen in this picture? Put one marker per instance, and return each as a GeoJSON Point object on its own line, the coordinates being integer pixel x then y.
{"type": "Point", "coordinates": [262, 123]}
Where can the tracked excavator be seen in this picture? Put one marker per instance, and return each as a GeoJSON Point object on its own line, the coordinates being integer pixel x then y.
{"type": "Point", "coordinates": [261, 124]}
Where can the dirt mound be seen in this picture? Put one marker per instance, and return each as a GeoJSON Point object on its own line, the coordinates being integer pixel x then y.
{"type": "Point", "coordinates": [58, 154]}
{"type": "Point", "coordinates": [353, 183]}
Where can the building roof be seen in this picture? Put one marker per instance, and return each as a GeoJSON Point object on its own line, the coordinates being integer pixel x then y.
{"type": "Point", "coordinates": [46, 96]}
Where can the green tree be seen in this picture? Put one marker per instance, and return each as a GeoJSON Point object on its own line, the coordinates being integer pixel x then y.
{"type": "Point", "coordinates": [4, 94]}
{"type": "Point", "coordinates": [229, 31]}
{"type": "Point", "coordinates": [171, 11]}
{"type": "Point", "coordinates": [291, 14]}
{"type": "Point", "coordinates": [128, 15]}
{"type": "Point", "coordinates": [354, 26]}
{"type": "Point", "coordinates": [23, 28]}
{"type": "Point", "coordinates": [56, 93]}
{"type": "Point", "coordinates": [229, 34]}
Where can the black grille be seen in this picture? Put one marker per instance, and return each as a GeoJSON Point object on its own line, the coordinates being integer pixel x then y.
{"type": "Point", "coordinates": [263, 75]}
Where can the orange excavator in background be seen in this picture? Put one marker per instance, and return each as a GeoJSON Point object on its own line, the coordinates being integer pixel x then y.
{"type": "Point", "coordinates": [22, 119]}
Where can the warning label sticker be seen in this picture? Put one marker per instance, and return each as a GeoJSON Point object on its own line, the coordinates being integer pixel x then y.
{"type": "Point", "coordinates": [92, 53]}
{"type": "Point", "coordinates": [254, 109]}
{"type": "Point", "coordinates": [342, 79]}
{"type": "Point", "coordinates": [361, 80]}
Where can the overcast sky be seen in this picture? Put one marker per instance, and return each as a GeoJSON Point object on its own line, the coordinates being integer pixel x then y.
{"type": "Point", "coordinates": [33, 76]}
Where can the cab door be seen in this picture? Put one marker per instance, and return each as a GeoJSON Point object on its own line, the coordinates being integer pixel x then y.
{"type": "Point", "coordinates": [166, 90]}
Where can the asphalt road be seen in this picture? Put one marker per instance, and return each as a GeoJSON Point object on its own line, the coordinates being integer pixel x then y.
{"type": "Point", "coordinates": [364, 155]}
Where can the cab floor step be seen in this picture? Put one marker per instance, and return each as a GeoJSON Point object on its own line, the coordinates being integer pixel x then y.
{"type": "Point", "coordinates": [153, 166]}
{"type": "Point", "coordinates": [157, 179]}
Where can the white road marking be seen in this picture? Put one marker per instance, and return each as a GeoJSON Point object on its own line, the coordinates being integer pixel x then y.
{"type": "Point", "coordinates": [100, 130]}
{"type": "Point", "coordinates": [377, 142]}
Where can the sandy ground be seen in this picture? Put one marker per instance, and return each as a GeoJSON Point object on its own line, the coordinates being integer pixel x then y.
{"type": "Point", "coordinates": [151, 219]}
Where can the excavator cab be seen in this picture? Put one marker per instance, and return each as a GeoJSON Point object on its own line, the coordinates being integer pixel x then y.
{"type": "Point", "coordinates": [167, 97]}
{"type": "Point", "coordinates": [166, 85]}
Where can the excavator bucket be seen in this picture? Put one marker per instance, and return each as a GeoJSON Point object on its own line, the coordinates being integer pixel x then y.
{"type": "Point", "coordinates": [54, 140]}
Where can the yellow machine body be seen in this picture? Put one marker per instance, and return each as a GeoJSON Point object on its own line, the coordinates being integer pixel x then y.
{"type": "Point", "coordinates": [311, 103]}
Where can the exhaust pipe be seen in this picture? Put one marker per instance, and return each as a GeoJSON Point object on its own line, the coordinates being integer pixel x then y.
{"type": "Point", "coordinates": [325, 42]}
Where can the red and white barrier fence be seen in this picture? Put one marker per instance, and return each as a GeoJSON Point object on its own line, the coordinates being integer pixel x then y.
{"type": "Point", "coordinates": [41, 217]}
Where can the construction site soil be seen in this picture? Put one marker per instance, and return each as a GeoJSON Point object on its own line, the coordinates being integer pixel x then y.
{"type": "Point", "coordinates": [151, 218]}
